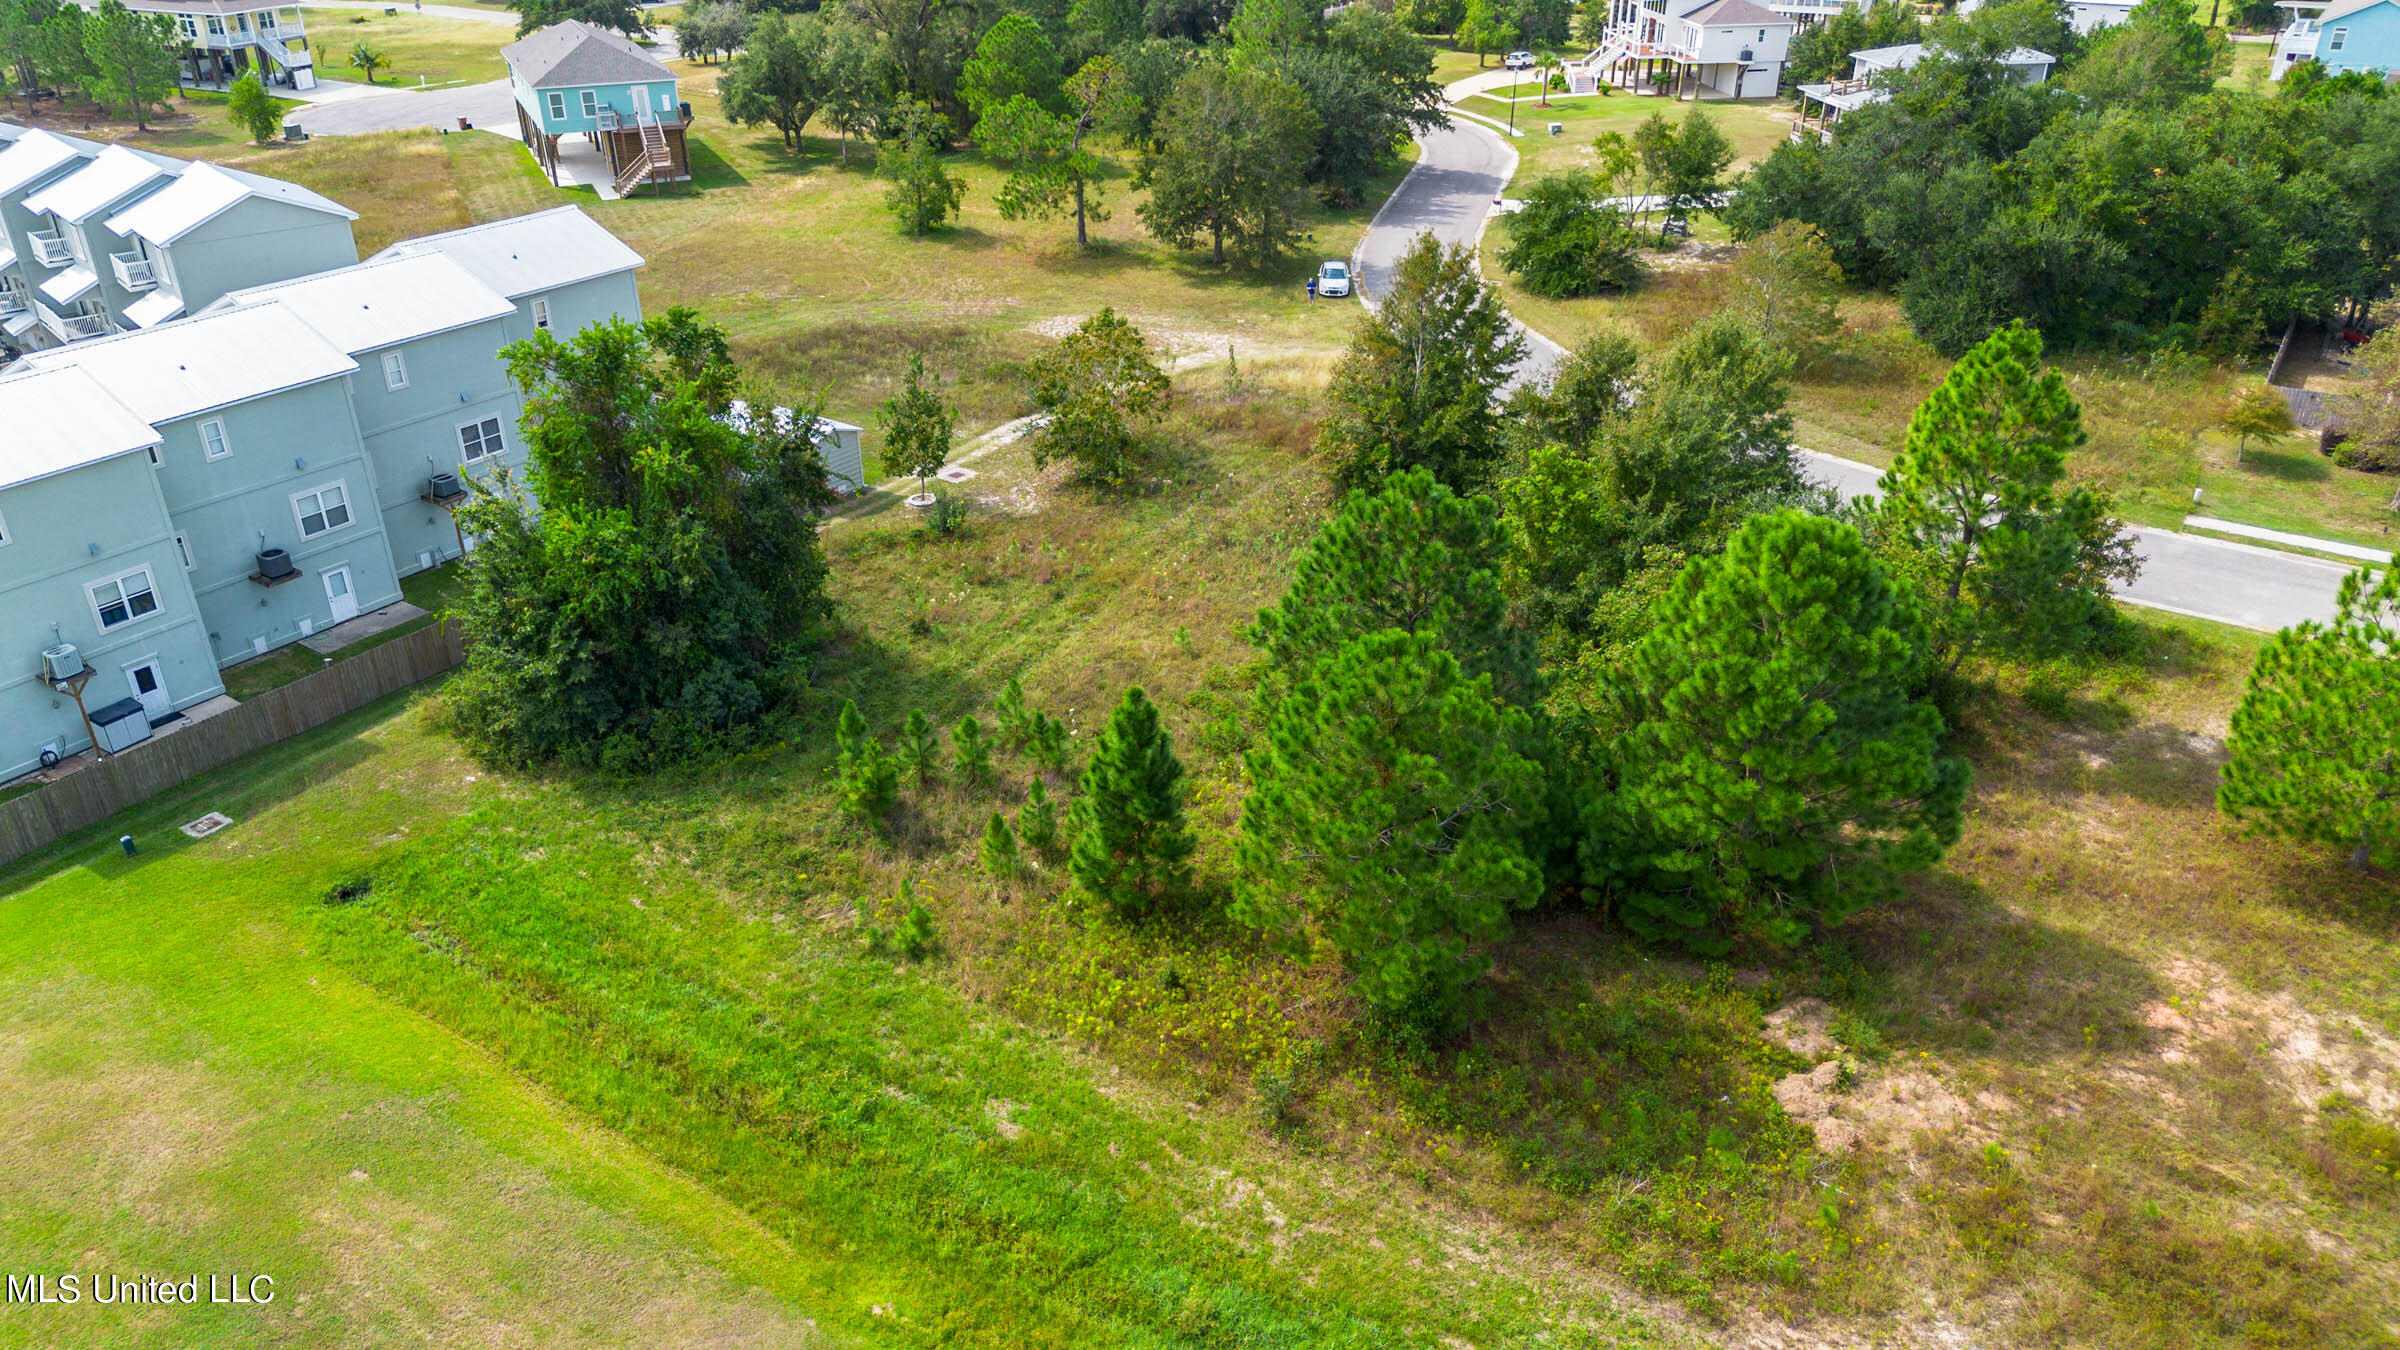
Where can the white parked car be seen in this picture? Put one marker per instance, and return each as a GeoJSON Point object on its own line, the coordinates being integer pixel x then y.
{"type": "Point", "coordinates": [1333, 278]}
{"type": "Point", "coordinates": [1518, 61]}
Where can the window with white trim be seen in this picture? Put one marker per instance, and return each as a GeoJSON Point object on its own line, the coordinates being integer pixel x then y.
{"type": "Point", "coordinates": [395, 371]}
{"type": "Point", "coordinates": [183, 550]}
{"type": "Point", "coordinates": [591, 103]}
{"type": "Point", "coordinates": [3, 531]}
{"type": "Point", "coordinates": [189, 25]}
{"type": "Point", "coordinates": [152, 451]}
{"type": "Point", "coordinates": [326, 508]}
{"type": "Point", "coordinates": [2339, 40]}
{"type": "Point", "coordinates": [119, 600]}
{"type": "Point", "coordinates": [212, 439]}
{"type": "Point", "coordinates": [541, 312]}
{"type": "Point", "coordinates": [480, 439]}
{"type": "Point", "coordinates": [558, 105]}
{"type": "Point", "coordinates": [216, 26]}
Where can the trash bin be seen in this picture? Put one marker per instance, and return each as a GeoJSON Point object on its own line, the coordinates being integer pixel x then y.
{"type": "Point", "coordinates": [465, 125]}
{"type": "Point", "coordinates": [120, 726]}
{"type": "Point", "coordinates": [294, 132]}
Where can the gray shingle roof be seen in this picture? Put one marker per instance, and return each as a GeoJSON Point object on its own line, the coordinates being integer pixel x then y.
{"type": "Point", "coordinates": [575, 53]}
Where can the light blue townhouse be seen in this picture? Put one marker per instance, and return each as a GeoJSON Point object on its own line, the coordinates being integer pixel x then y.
{"type": "Point", "coordinates": [563, 271]}
{"type": "Point", "coordinates": [93, 591]}
{"type": "Point", "coordinates": [268, 467]}
{"type": "Point", "coordinates": [431, 398]}
{"type": "Point", "coordinates": [261, 466]}
{"type": "Point", "coordinates": [572, 80]}
{"type": "Point", "coordinates": [96, 239]}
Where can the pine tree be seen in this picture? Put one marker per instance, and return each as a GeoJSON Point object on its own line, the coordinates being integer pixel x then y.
{"type": "Point", "coordinates": [1046, 742]}
{"type": "Point", "coordinates": [1780, 765]}
{"type": "Point", "coordinates": [1391, 810]}
{"type": "Point", "coordinates": [1008, 714]}
{"type": "Point", "coordinates": [2315, 748]}
{"type": "Point", "coordinates": [1037, 819]}
{"type": "Point", "coordinates": [973, 753]}
{"type": "Point", "coordinates": [1414, 556]}
{"type": "Point", "coordinates": [1974, 499]}
{"type": "Point", "coordinates": [869, 776]}
{"type": "Point", "coordinates": [1132, 849]}
{"type": "Point", "coordinates": [920, 752]}
{"type": "Point", "coordinates": [1001, 861]}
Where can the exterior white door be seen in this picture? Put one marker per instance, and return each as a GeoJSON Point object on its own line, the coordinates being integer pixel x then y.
{"type": "Point", "coordinates": [339, 593]}
{"type": "Point", "coordinates": [641, 98]}
{"type": "Point", "coordinates": [148, 681]}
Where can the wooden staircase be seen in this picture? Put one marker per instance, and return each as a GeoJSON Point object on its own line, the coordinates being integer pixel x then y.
{"type": "Point", "coordinates": [655, 163]}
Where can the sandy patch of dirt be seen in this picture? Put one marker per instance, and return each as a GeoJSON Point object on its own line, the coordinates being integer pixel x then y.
{"type": "Point", "coordinates": [997, 1111]}
{"type": "Point", "coordinates": [2310, 1054]}
{"type": "Point", "coordinates": [1886, 1108]}
{"type": "Point", "coordinates": [1803, 1026]}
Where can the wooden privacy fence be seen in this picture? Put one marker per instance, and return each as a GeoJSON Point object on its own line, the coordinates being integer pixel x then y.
{"type": "Point", "coordinates": [103, 789]}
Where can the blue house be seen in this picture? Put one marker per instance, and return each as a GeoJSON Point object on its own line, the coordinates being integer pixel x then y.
{"type": "Point", "coordinates": [574, 80]}
{"type": "Point", "coordinates": [2342, 36]}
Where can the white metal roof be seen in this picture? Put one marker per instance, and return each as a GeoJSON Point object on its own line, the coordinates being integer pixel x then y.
{"type": "Point", "coordinates": [112, 176]}
{"type": "Point", "coordinates": [382, 301]}
{"type": "Point", "coordinates": [530, 254]}
{"type": "Point", "coordinates": [66, 286]}
{"type": "Point", "coordinates": [207, 361]}
{"type": "Point", "coordinates": [154, 309]}
{"type": "Point", "coordinates": [35, 153]}
{"type": "Point", "coordinates": [60, 420]}
{"type": "Point", "coordinates": [204, 191]}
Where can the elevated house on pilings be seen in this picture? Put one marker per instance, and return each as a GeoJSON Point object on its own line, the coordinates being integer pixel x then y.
{"type": "Point", "coordinates": [594, 108]}
{"type": "Point", "coordinates": [1699, 49]}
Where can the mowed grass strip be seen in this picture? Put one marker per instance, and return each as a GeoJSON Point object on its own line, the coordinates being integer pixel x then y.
{"type": "Point", "coordinates": [194, 1088]}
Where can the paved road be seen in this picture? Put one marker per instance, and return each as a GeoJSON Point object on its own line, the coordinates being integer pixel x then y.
{"type": "Point", "coordinates": [489, 106]}
{"type": "Point", "coordinates": [1461, 171]}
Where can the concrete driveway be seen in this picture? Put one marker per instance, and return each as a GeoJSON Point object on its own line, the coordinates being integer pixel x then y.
{"type": "Point", "coordinates": [490, 106]}
{"type": "Point", "coordinates": [1451, 193]}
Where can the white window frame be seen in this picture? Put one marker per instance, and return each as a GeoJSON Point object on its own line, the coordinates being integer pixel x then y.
{"type": "Point", "coordinates": [156, 462]}
{"type": "Point", "coordinates": [5, 536]}
{"type": "Point", "coordinates": [183, 550]}
{"type": "Point", "coordinates": [91, 593]}
{"type": "Point", "coordinates": [222, 446]}
{"type": "Point", "coordinates": [591, 104]}
{"type": "Point", "coordinates": [216, 25]}
{"type": "Point", "coordinates": [300, 517]}
{"type": "Point", "coordinates": [395, 371]}
{"type": "Point", "coordinates": [556, 101]}
{"type": "Point", "coordinates": [499, 439]}
{"type": "Point", "coordinates": [2338, 39]}
{"type": "Point", "coordinates": [541, 312]}
{"type": "Point", "coordinates": [190, 25]}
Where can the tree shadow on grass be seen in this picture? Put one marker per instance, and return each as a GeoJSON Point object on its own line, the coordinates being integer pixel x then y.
{"type": "Point", "coordinates": [1949, 968]}
{"type": "Point", "coordinates": [709, 169]}
{"type": "Point", "coordinates": [2289, 466]}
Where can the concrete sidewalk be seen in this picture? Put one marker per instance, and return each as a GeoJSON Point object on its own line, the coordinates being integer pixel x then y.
{"type": "Point", "coordinates": [2360, 552]}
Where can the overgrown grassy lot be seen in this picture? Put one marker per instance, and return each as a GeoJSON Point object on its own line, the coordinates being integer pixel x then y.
{"type": "Point", "coordinates": [2113, 1075]}
{"type": "Point", "coordinates": [418, 49]}
{"type": "Point", "coordinates": [1755, 128]}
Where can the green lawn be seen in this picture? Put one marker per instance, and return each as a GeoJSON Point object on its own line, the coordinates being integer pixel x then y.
{"type": "Point", "coordinates": [418, 49]}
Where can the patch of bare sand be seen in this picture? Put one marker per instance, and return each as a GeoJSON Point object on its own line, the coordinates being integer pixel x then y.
{"type": "Point", "coordinates": [2312, 1055]}
{"type": "Point", "coordinates": [1883, 1108]}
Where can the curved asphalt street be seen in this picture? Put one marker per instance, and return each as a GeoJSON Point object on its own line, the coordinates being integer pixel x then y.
{"type": "Point", "coordinates": [1461, 171]}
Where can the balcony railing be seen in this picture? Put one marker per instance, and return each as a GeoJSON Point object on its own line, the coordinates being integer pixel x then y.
{"type": "Point", "coordinates": [50, 248]}
{"type": "Point", "coordinates": [75, 327]}
{"type": "Point", "coordinates": [134, 272]}
{"type": "Point", "coordinates": [12, 302]}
